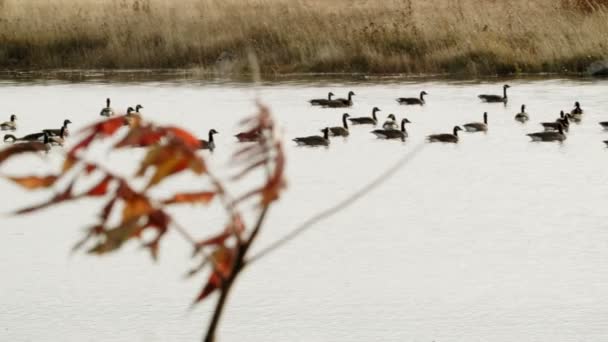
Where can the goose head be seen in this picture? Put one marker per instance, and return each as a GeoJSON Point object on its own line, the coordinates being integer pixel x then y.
{"type": "Point", "coordinates": [138, 107]}
{"type": "Point", "coordinates": [212, 132]}
{"type": "Point", "coordinates": [351, 93]}
{"type": "Point", "coordinates": [406, 120]}
{"type": "Point", "coordinates": [130, 110]}
{"type": "Point", "coordinates": [423, 93]}
{"type": "Point", "coordinates": [13, 117]}
{"type": "Point", "coordinates": [392, 117]}
{"type": "Point", "coordinates": [66, 122]}
{"type": "Point", "coordinates": [329, 95]}
{"type": "Point", "coordinates": [506, 86]}
{"type": "Point", "coordinates": [577, 105]}
{"type": "Point", "coordinates": [345, 116]}
{"type": "Point", "coordinates": [456, 129]}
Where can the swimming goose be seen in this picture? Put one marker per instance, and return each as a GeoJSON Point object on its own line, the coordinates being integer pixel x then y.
{"type": "Point", "coordinates": [391, 123]}
{"type": "Point", "coordinates": [366, 120]}
{"type": "Point", "coordinates": [57, 132]}
{"type": "Point", "coordinates": [523, 116]}
{"type": "Point", "coordinates": [445, 137]}
{"type": "Point", "coordinates": [44, 145]}
{"type": "Point", "coordinates": [478, 126]}
{"type": "Point", "coordinates": [314, 140]}
{"type": "Point", "coordinates": [9, 125]}
{"type": "Point", "coordinates": [562, 121]}
{"type": "Point", "coordinates": [131, 117]}
{"type": "Point", "coordinates": [107, 111]}
{"type": "Point", "coordinates": [577, 109]}
{"type": "Point", "coordinates": [412, 100]}
{"type": "Point", "coordinates": [322, 102]}
{"type": "Point", "coordinates": [340, 131]}
{"type": "Point", "coordinates": [549, 136]}
{"type": "Point", "coordinates": [392, 133]}
{"type": "Point", "coordinates": [30, 137]}
{"type": "Point", "coordinates": [341, 102]}
{"type": "Point", "coordinates": [251, 136]}
{"type": "Point", "coordinates": [496, 98]}
{"type": "Point", "coordinates": [208, 144]}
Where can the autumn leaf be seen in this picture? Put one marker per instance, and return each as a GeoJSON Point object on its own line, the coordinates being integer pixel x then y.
{"type": "Point", "coordinates": [35, 182]}
{"type": "Point", "coordinates": [18, 149]}
{"type": "Point", "coordinates": [203, 197]}
{"type": "Point", "coordinates": [186, 137]}
{"type": "Point", "coordinates": [66, 195]}
{"type": "Point", "coordinates": [140, 137]}
{"type": "Point", "coordinates": [136, 207]}
{"type": "Point", "coordinates": [101, 188]}
{"type": "Point", "coordinates": [222, 259]}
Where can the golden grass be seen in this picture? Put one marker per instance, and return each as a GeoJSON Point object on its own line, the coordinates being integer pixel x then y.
{"type": "Point", "coordinates": [474, 37]}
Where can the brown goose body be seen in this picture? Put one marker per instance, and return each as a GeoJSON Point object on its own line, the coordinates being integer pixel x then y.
{"type": "Point", "coordinates": [107, 111]}
{"type": "Point", "coordinates": [563, 122]}
{"type": "Point", "coordinates": [314, 140]}
{"type": "Point", "coordinates": [366, 120]}
{"type": "Point", "coordinates": [413, 100]}
{"type": "Point", "coordinates": [522, 116]}
{"type": "Point", "coordinates": [322, 102]}
{"type": "Point", "coordinates": [445, 137]}
{"type": "Point", "coordinates": [548, 136]}
{"type": "Point", "coordinates": [496, 98]}
{"type": "Point", "coordinates": [340, 131]}
{"type": "Point", "coordinates": [9, 125]}
{"type": "Point", "coordinates": [57, 132]}
{"type": "Point", "coordinates": [392, 133]}
{"type": "Point", "coordinates": [477, 126]}
{"type": "Point", "coordinates": [341, 102]}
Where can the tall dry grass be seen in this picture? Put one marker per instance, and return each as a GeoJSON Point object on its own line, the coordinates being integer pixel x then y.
{"type": "Point", "coordinates": [388, 36]}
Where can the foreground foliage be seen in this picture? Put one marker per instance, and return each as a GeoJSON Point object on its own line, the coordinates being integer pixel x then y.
{"type": "Point", "coordinates": [170, 151]}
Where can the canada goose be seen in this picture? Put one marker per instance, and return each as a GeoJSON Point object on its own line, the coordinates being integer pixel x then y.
{"type": "Point", "coordinates": [58, 140]}
{"type": "Point", "coordinates": [445, 137]}
{"type": "Point", "coordinates": [137, 108]}
{"type": "Point", "coordinates": [577, 109]}
{"type": "Point", "coordinates": [412, 100]}
{"type": "Point", "coordinates": [392, 133]}
{"type": "Point", "coordinates": [366, 120]}
{"type": "Point", "coordinates": [549, 136]}
{"type": "Point", "coordinates": [496, 98]}
{"type": "Point", "coordinates": [44, 145]}
{"type": "Point", "coordinates": [9, 125]}
{"type": "Point", "coordinates": [340, 131]}
{"type": "Point", "coordinates": [107, 110]}
{"type": "Point", "coordinates": [522, 116]}
{"type": "Point", "coordinates": [314, 140]}
{"type": "Point", "coordinates": [249, 136]}
{"type": "Point", "coordinates": [131, 117]}
{"type": "Point", "coordinates": [478, 126]}
{"type": "Point", "coordinates": [562, 121]}
{"type": "Point", "coordinates": [30, 137]}
{"type": "Point", "coordinates": [341, 102]}
{"type": "Point", "coordinates": [391, 123]}
{"type": "Point", "coordinates": [208, 144]}
{"type": "Point", "coordinates": [322, 102]}
{"type": "Point", "coordinates": [604, 124]}
{"type": "Point", "coordinates": [57, 132]}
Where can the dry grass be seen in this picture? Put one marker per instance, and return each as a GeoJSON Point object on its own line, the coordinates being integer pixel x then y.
{"type": "Point", "coordinates": [474, 37]}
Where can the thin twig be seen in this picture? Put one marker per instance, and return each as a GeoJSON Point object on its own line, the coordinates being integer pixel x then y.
{"type": "Point", "coordinates": [383, 177]}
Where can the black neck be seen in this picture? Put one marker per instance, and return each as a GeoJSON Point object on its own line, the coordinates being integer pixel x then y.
{"type": "Point", "coordinates": [329, 96]}
{"type": "Point", "coordinates": [504, 91]}
{"type": "Point", "coordinates": [403, 126]}
{"type": "Point", "coordinates": [350, 97]}
{"type": "Point", "coordinates": [326, 134]}
{"type": "Point", "coordinates": [374, 114]}
{"type": "Point", "coordinates": [523, 108]}
{"type": "Point", "coordinates": [46, 138]}
{"type": "Point", "coordinates": [210, 137]}
{"type": "Point", "coordinates": [455, 131]}
{"type": "Point", "coordinates": [344, 122]}
{"type": "Point", "coordinates": [422, 96]}
{"type": "Point", "coordinates": [62, 132]}
{"type": "Point", "coordinates": [485, 119]}
{"type": "Point", "coordinates": [108, 103]}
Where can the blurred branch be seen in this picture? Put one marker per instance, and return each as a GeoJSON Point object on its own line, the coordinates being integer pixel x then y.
{"type": "Point", "coordinates": [325, 214]}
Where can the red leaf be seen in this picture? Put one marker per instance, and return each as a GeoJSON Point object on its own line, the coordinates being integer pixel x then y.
{"type": "Point", "coordinates": [215, 240]}
{"type": "Point", "coordinates": [140, 137]}
{"type": "Point", "coordinates": [186, 137]}
{"type": "Point", "coordinates": [34, 182]}
{"type": "Point", "coordinates": [195, 197]}
{"type": "Point", "coordinates": [213, 283]}
{"type": "Point", "coordinates": [101, 188]}
{"type": "Point", "coordinates": [66, 195]}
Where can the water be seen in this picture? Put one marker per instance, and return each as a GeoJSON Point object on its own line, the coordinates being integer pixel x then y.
{"type": "Point", "coordinates": [493, 239]}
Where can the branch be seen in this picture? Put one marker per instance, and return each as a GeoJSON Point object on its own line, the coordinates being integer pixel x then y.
{"type": "Point", "coordinates": [383, 177]}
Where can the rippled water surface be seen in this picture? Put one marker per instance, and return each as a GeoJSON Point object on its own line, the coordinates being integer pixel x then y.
{"type": "Point", "coordinates": [493, 239]}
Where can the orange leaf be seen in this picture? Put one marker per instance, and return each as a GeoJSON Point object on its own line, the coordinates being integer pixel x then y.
{"type": "Point", "coordinates": [186, 137]}
{"type": "Point", "coordinates": [34, 182]}
{"type": "Point", "coordinates": [213, 283]}
{"type": "Point", "coordinates": [18, 149]}
{"type": "Point", "coordinates": [195, 197]}
{"type": "Point", "coordinates": [136, 206]}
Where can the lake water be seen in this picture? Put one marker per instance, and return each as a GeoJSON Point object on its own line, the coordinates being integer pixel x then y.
{"type": "Point", "coordinates": [493, 239]}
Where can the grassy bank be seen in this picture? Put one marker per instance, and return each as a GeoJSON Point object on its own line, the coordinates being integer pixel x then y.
{"type": "Point", "coordinates": [473, 37]}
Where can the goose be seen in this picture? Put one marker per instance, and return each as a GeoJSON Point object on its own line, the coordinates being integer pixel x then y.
{"type": "Point", "coordinates": [604, 124]}
{"type": "Point", "coordinates": [413, 100]}
{"type": "Point", "coordinates": [314, 140]}
{"type": "Point", "coordinates": [392, 133]}
{"type": "Point", "coordinates": [341, 102]}
{"type": "Point", "coordinates": [131, 117]}
{"type": "Point", "coordinates": [322, 102]}
{"type": "Point", "coordinates": [208, 144]}
{"type": "Point", "coordinates": [58, 131]}
{"type": "Point", "coordinates": [577, 109]}
{"type": "Point", "coordinates": [340, 131]}
{"type": "Point", "coordinates": [496, 98]}
{"type": "Point", "coordinates": [9, 125]}
{"type": "Point", "coordinates": [477, 126]}
{"type": "Point", "coordinates": [30, 137]}
{"type": "Point", "coordinates": [107, 111]}
{"type": "Point", "coordinates": [58, 140]}
{"type": "Point", "coordinates": [366, 120]}
{"type": "Point", "coordinates": [391, 123]}
{"type": "Point", "coordinates": [549, 136]}
{"type": "Point", "coordinates": [445, 137]}
{"type": "Point", "coordinates": [562, 121]}
{"type": "Point", "coordinates": [522, 116]}
{"type": "Point", "coordinates": [44, 145]}
{"type": "Point", "coordinates": [250, 136]}
{"type": "Point", "coordinates": [137, 108]}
